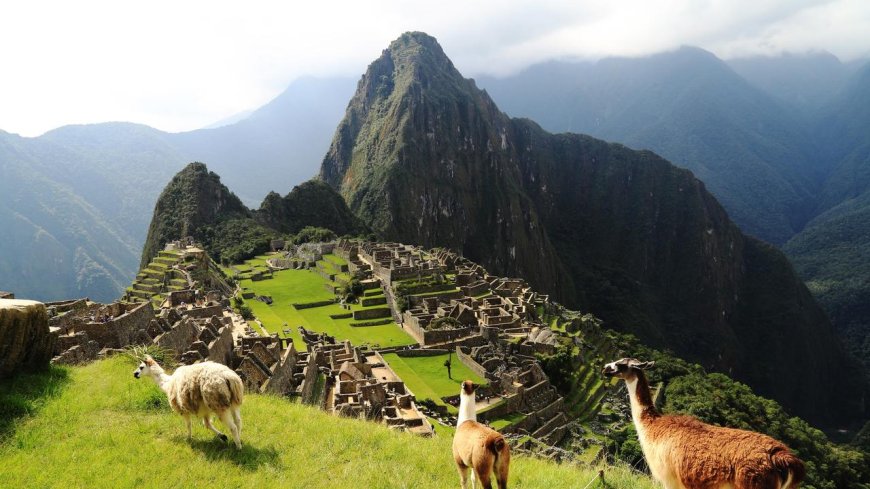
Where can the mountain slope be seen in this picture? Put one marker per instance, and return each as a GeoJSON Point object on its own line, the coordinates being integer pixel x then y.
{"type": "Point", "coordinates": [831, 253]}
{"type": "Point", "coordinates": [193, 199]}
{"type": "Point", "coordinates": [805, 81]}
{"type": "Point", "coordinates": [423, 156]}
{"type": "Point", "coordinates": [80, 197]}
{"type": "Point", "coordinates": [62, 212]}
{"type": "Point", "coordinates": [691, 108]}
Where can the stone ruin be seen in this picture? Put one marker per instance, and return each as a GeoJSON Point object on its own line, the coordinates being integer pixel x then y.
{"type": "Point", "coordinates": [525, 387]}
{"type": "Point", "coordinates": [358, 383]}
{"type": "Point", "coordinates": [266, 366]}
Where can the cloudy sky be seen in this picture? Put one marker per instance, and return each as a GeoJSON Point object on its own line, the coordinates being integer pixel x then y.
{"type": "Point", "coordinates": [179, 65]}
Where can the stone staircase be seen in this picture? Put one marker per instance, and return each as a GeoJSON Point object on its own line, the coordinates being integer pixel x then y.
{"type": "Point", "coordinates": [158, 278]}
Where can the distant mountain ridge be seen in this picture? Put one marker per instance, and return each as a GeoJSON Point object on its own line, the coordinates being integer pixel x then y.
{"type": "Point", "coordinates": [423, 156]}
{"type": "Point", "coordinates": [693, 109]}
{"type": "Point", "coordinates": [76, 202]}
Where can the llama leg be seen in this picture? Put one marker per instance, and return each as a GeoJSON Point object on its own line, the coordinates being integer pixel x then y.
{"type": "Point", "coordinates": [463, 475]}
{"type": "Point", "coordinates": [206, 421]}
{"type": "Point", "coordinates": [483, 475]}
{"type": "Point", "coordinates": [189, 429]}
{"type": "Point", "coordinates": [227, 419]}
{"type": "Point", "coordinates": [502, 467]}
{"type": "Point", "coordinates": [237, 418]}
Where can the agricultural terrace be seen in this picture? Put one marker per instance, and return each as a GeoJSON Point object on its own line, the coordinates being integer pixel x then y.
{"type": "Point", "coordinates": [288, 287]}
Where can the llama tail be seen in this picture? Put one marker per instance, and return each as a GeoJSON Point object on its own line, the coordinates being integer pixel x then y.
{"type": "Point", "coordinates": [236, 387]}
{"type": "Point", "coordinates": [496, 444]}
{"type": "Point", "coordinates": [791, 469]}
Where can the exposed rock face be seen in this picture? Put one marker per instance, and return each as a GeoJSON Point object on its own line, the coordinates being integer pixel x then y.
{"type": "Point", "coordinates": [423, 156]}
{"type": "Point", "coordinates": [25, 342]}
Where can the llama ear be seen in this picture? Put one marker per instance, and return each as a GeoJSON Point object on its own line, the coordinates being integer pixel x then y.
{"type": "Point", "coordinates": [646, 365]}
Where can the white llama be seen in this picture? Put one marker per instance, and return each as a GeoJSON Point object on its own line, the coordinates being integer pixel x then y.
{"type": "Point", "coordinates": [200, 390]}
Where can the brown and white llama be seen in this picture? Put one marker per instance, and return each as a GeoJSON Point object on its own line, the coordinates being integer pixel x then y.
{"type": "Point", "coordinates": [684, 453]}
{"type": "Point", "coordinates": [478, 447]}
{"type": "Point", "coordinates": [200, 390]}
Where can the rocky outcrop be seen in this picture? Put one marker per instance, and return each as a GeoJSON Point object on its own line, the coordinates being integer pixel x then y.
{"type": "Point", "coordinates": [25, 341]}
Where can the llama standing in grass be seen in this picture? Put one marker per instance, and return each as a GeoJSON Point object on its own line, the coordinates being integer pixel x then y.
{"type": "Point", "coordinates": [200, 390]}
{"type": "Point", "coordinates": [684, 453]}
{"type": "Point", "coordinates": [478, 447]}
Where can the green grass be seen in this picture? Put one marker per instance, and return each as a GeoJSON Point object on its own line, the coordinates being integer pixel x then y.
{"type": "Point", "coordinates": [301, 286]}
{"type": "Point", "coordinates": [104, 429]}
{"type": "Point", "coordinates": [427, 376]}
{"type": "Point", "coordinates": [509, 419]}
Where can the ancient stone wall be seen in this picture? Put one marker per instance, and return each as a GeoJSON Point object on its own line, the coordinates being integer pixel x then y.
{"type": "Point", "coordinates": [374, 313]}
{"type": "Point", "coordinates": [472, 365]}
{"type": "Point", "coordinates": [121, 331]}
{"type": "Point", "coordinates": [203, 312]}
{"type": "Point", "coordinates": [180, 337]}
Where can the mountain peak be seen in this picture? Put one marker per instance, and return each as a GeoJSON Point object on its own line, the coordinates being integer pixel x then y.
{"type": "Point", "coordinates": [193, 198]}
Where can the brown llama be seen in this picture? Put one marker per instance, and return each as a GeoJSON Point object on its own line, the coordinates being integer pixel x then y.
{"type": "Point", "coordinates": [477, 446]}
{"type": "Point", "coordinates": [684, 453]}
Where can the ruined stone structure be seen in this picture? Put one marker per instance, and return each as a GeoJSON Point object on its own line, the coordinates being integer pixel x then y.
{"type": "Point", "coordinates": [358, 383]}
{"type": "Point", "coordinates": [525, 387]}
{"type": "Point", "coordinates": [266, 367]}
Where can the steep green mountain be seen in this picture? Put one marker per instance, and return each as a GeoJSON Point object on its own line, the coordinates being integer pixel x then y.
{"type": "Point", "coordinates": [754, 154]}
{"type": "Point", "coordinates": [312, 203]}
{"type": "Point", "coordinates": [425, 157]}
{"type": "Point", "coordinates": [76, 201]}
{"type": "Point", "coordinates": [195, 203]}
{"type": "Point", "coordinates": [833, 252]}
{"type": "Point", "coordinates": [193, 199]}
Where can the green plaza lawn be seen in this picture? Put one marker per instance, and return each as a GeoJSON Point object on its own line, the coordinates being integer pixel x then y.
{"type": "Point", "coordinates": [427, 376]}
{"type": "Point", "coordinates": [302, 286]}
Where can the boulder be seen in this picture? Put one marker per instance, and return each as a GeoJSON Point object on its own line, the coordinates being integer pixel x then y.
{"type": "Point", "coordinates": [25, 341]}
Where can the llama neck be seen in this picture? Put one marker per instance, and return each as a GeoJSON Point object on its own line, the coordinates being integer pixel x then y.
{"type": "Point", "coordinates": [467, 409]}
{"type": "Point", "coordinates": [162, 380]}
{"type": "Point", "coordinates": [642, 408]}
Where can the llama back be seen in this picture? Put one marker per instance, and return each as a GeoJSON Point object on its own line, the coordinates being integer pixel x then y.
{"type": "Point", "coordinates": [205, 385]}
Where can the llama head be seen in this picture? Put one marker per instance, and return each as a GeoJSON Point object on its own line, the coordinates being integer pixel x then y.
{"type": "Point", "coordinates": [468, 388]}
{"type": "Point", "coordinates": [625, 368]}
{"type": "Point", "coordinates": [146, 367]}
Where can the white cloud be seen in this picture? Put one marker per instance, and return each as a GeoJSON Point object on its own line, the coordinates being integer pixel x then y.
{"type": "Point", "coordinates": [181, 65]}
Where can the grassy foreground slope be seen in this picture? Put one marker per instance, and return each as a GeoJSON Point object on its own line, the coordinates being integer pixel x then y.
{"type": "Point", "coordinates": [99, 427]}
